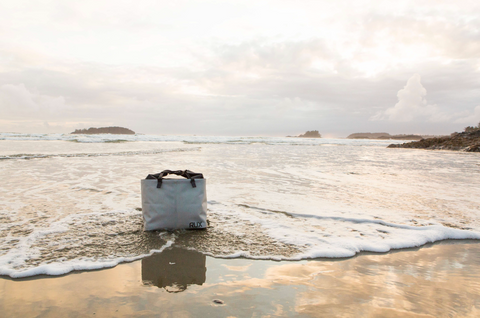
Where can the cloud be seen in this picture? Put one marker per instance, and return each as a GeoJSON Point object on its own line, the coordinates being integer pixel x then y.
{"type": "Point", "coordinates": [412, 105]}
{"type": "Point", "coordinates": [331, 71]}
{"type": "Point", "coordinates": [17, 100]}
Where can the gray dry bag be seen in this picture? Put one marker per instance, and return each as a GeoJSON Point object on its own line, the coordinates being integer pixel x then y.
{"type": "Point", "coordinates": [174, 203]}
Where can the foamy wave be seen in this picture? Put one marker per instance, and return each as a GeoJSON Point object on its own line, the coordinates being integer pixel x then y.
{"type": "Point", "coordinates": [80, 264]}
{"type": "Point", "coordinates": [246, 140]}
{"type": "Point", "coordinates": [61, 247]}
{"type": "Point", "coordinates": [77, 155]}
{"type": "Point", "coordinates": [316, 236]}
{"type": "Point", "coordinates": [116, 237]}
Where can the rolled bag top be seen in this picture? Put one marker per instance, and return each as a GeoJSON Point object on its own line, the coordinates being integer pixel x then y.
{"type": "Point", "coordinates": [183, 173]}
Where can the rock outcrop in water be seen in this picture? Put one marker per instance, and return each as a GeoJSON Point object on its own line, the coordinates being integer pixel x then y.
{"type": "Point", "coordinates": [311, 134]}
{"type": "Point", "coordinates": [469, 141]}
{"type": "Point", "coordinates": [367, 135]}
{"type": "Point", "coordinates": [105, 130]}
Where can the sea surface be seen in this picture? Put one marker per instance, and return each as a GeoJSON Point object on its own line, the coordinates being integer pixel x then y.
{"type": "Point", "coordinates": [73, 202]}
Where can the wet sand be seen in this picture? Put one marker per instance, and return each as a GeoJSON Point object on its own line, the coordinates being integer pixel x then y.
{"type": "Point", "coordinates": [437, 280]}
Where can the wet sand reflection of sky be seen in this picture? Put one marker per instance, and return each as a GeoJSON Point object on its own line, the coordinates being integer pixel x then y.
{"type": "Point", "coordinates": [439, 280]}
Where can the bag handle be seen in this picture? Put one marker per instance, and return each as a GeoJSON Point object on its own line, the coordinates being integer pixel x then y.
{"type": "Point", "coordinates": [183, 173]}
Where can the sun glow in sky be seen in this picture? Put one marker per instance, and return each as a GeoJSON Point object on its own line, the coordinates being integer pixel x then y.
{"type": "Point", "coordinates": [240, 67]}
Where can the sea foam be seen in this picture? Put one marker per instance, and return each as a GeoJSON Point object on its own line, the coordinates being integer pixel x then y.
{"type": "Point", "coordinates": [77, 205]}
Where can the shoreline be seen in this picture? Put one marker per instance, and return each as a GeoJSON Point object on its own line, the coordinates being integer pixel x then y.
{"type": "Point", "coordinates": [219, 258]}
{"type": "Point", "coordinates": [437, 279]}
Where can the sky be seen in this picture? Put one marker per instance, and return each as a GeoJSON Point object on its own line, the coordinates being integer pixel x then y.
{"type": "Point", "coordinates": [251, 68]}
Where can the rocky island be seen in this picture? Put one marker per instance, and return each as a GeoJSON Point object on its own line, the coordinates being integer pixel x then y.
{"type": "Point", "coordinates": [105, 130]}
{"type": "Point", "coordinates": [311, 134]}
{"type": "Point", "coordinates": [469, 141]}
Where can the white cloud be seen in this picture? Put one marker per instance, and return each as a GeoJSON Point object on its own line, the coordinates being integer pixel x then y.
{"type": "Point", "coordinates": [17, 100]}
{"type": "Point", "coordinates": [412, 105]}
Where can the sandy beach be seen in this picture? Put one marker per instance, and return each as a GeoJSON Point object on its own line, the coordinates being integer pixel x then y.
{"type": "Point", "coordinates": [437, 280]}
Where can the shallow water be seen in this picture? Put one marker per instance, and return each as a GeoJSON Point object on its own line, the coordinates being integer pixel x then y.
{"type": "Point", "coordinates": [73, 202]}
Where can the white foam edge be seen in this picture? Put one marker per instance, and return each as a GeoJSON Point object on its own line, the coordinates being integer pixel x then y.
{"type": "Point", "coordinates": [425, 234]}
{"type": "Point", "coordinates": [23, 250]}
{"type": "Point", "coordinates": [338, 252]}
{"type": "Point", "coordinates": [56, 269]}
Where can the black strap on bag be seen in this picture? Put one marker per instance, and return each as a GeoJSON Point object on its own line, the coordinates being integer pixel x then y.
{"type": "Point", "coordinates": [183, 173]}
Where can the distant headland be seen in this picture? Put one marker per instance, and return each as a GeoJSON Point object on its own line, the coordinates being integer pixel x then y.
{"type": "Point", "coordinates": [309, 134]}
{"type": "Point", "coordinates": [383, 135]}
{"type": "Point", "coordinates": [104, 130]}
{"type": "Point", "coordinates": [469, 141]}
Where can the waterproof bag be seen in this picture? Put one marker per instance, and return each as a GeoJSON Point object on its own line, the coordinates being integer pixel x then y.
{"type": "Point", "coordinates": [174, 203]}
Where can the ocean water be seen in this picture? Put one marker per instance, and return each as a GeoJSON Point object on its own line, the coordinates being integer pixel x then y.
{"type": "Point", "coordinates": [72, 202]}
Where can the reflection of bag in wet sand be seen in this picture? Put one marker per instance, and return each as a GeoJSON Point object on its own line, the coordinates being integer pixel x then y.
{"type": "Point", "coordinates": [174, 203]}
{"type": "Point", "coordinates": [174, 269]}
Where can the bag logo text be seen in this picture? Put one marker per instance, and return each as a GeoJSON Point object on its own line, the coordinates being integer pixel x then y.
{"type": "Point", "coordinates": [195, 225]}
